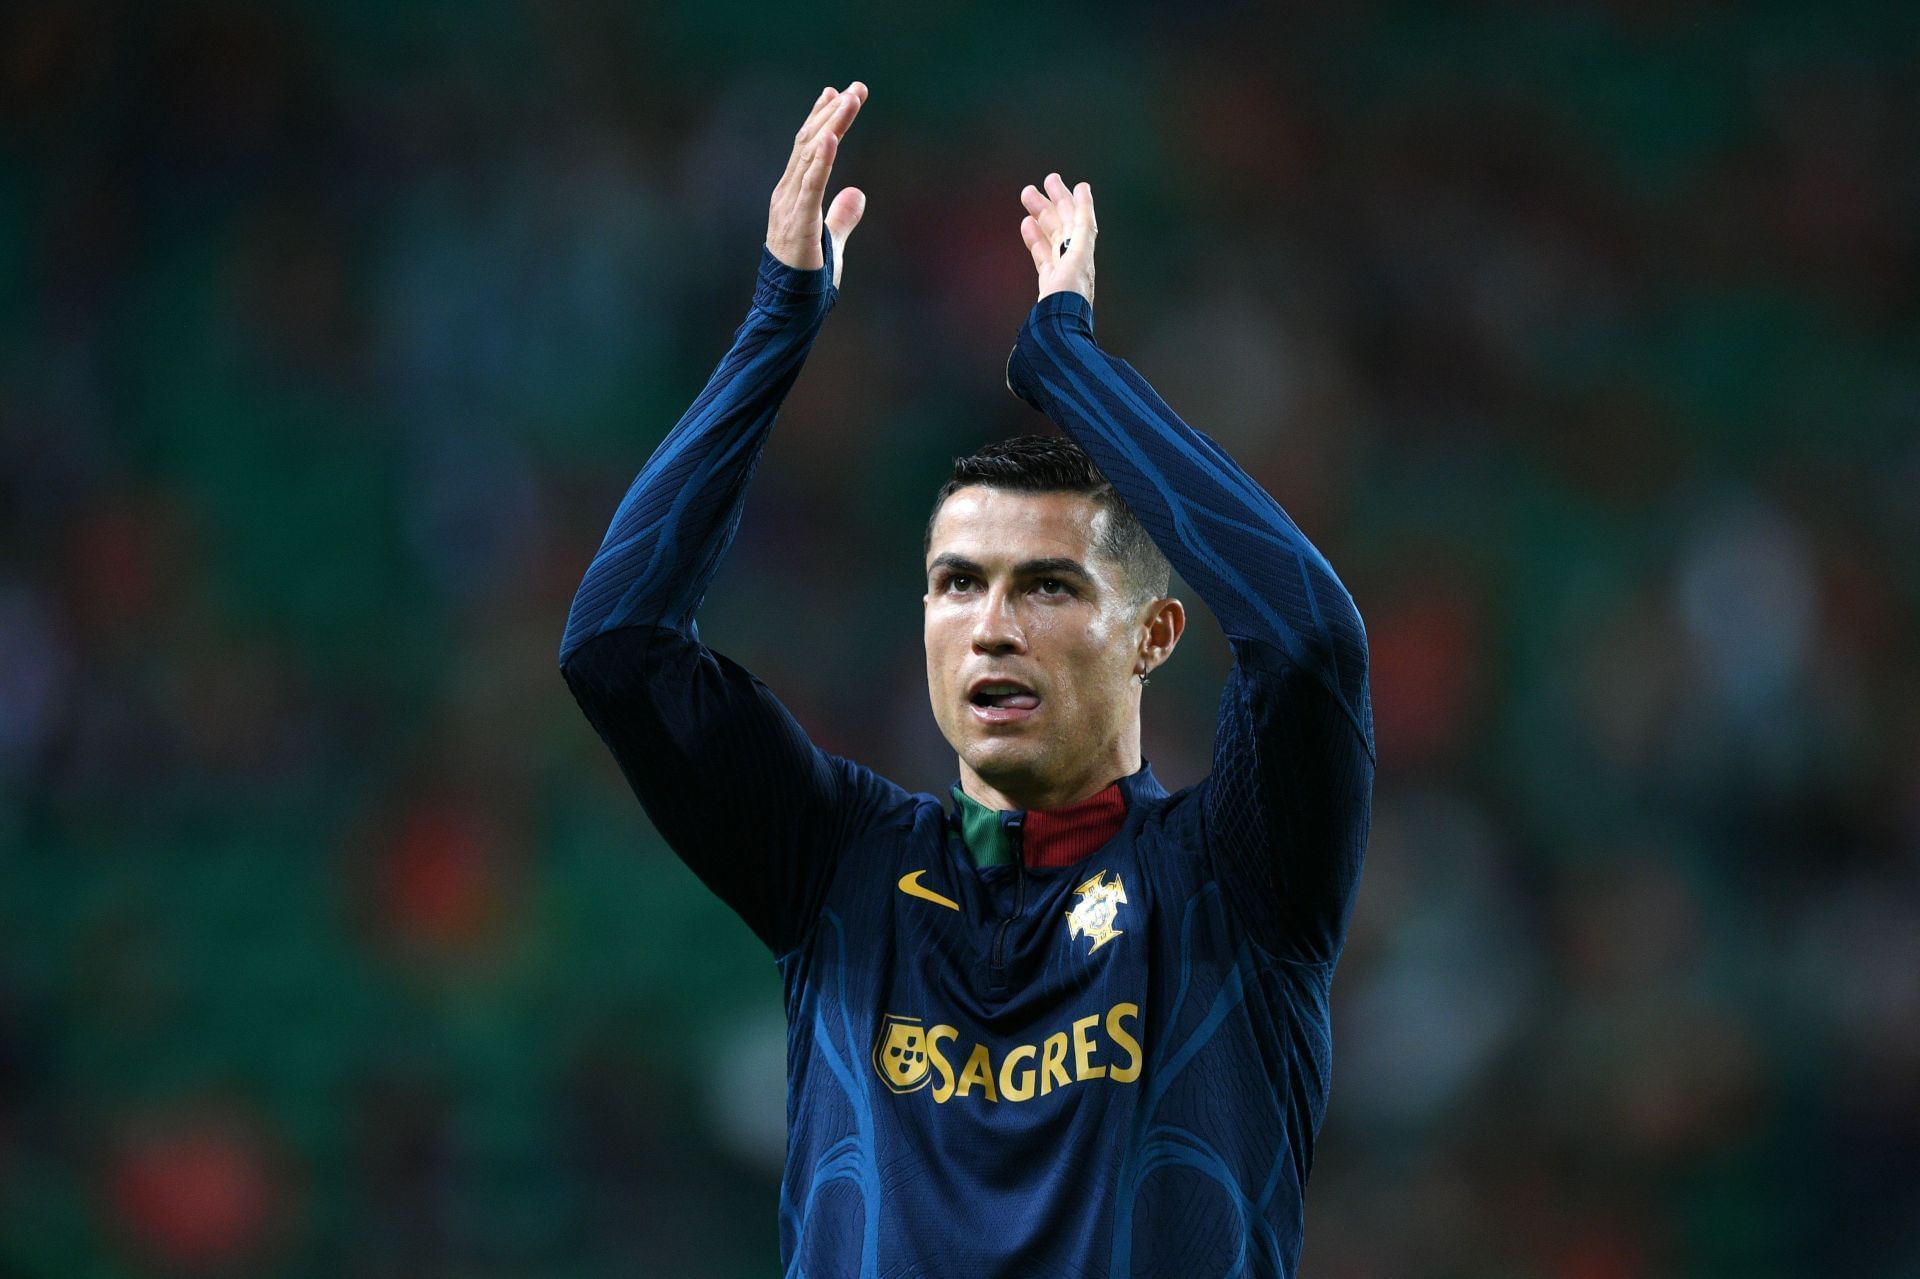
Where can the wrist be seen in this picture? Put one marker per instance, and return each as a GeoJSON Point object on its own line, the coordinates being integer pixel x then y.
{"type": "Point", "coordinates": [1067, 304]}
{"type": "Point", "coordinates": [779, 287]}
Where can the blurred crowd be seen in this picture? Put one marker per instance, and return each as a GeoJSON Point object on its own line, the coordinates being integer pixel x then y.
{"type": "Point", "coordinates": [1580, 337]}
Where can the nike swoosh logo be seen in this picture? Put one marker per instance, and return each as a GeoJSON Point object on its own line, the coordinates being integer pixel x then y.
{"type": "Point", "coordinates": [911, 886]}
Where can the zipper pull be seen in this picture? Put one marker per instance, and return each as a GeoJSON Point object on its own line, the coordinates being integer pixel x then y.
{"type": "Point", "coordinates": [1013, 822]}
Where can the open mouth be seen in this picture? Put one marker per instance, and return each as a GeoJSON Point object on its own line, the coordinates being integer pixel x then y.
{"type": "Point", "coordinates": [1002, 701]}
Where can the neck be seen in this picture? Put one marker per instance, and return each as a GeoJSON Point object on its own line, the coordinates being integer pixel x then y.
{"type": "Point", "coordinates": [1028, 793]}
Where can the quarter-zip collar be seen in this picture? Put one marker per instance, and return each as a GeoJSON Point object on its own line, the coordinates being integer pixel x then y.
{"type": "Point", "coordinates": [1045, 837]}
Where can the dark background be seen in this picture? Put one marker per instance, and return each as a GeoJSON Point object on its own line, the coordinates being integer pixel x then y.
{"type": "Point", "coordinates": [1581, 337]}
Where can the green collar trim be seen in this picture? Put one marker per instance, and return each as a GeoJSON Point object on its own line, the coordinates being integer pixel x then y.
{"type": "Point", "coordinates": [983, 831]}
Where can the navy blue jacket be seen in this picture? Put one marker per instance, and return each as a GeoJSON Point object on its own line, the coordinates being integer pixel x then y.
{"type": "Point", "coordinates": [1116, 1067]}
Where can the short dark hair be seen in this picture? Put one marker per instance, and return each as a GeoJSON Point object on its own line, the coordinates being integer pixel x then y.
{"type": "Point", "coordinates": [1055, 464]}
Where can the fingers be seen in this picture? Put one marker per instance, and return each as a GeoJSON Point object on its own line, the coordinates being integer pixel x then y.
{"type": "Point", "coordinates": [824, 143]}
{"type": "Point", "coordinates": [832, 111]}
{"type": "Point", "coordinates": [1074, 206]}
{"type": "Point", "coordinates": [1042, 211]}
{"type": "Point", "coordinates": [821, 105]}
{"type": "Point", "coordinates": [1061, 197]}
{"type": "Point", "coordinates": [1037, 243]}
{"type": "Point", "coordinates": [1059, 212]}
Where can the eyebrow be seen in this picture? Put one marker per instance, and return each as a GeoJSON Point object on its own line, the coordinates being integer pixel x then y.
{"type": "Point", "coordinates": [1054, 566]}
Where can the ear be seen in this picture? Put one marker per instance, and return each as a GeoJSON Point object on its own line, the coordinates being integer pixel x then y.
{"type": "Point", "coordinates": [1161, 626]}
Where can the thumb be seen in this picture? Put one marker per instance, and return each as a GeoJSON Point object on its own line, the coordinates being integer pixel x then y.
{"type": "Point", "coordinates": [845, 213]}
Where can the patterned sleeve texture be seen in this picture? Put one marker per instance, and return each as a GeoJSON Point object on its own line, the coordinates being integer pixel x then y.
{"type": "Point", "coordinates": [1287, 804]}
{"type": "Point", "coordinates": [730, 779]}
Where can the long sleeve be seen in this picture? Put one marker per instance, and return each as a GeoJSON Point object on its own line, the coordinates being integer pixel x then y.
{"type": "Point", "coordinates": [681, 512]}
{"type": "Point", "coordinates": [730, 779]}
{"type": "Point", "coordinates": [1289, 799]}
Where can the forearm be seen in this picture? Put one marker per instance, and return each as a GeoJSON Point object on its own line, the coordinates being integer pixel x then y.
{"type": "Point", "coordinates": [680, 513]}
{"type": "Point", "coordinates": [1225, 534]}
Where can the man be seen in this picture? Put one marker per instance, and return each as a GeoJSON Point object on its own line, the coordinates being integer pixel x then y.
{"type": "Point", "coordinates": [1073, 1025]}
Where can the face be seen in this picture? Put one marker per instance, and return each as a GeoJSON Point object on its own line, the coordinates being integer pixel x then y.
{"type": "Point", "coordinates": [1033, 639]}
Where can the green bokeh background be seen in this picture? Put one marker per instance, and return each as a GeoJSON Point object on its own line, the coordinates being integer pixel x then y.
{"type": "Point", "coordinates": [1581, 338]}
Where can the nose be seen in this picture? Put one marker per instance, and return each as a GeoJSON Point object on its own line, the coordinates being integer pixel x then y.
{"type": "Point", "coordinates": [995, 628]}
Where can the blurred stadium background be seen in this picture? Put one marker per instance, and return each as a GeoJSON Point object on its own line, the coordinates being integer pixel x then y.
{"type": "Point", "coordinates": [1581, 337]}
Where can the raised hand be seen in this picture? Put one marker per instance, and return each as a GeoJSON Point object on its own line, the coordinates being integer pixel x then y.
{"type": "Point", "coordinates": [1059, 231]}
{"type": "Point", "coordinates": [793, 215]}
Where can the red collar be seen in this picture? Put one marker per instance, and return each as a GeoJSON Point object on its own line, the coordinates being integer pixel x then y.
{"type": "Point", "coordinates": [1062, 836]}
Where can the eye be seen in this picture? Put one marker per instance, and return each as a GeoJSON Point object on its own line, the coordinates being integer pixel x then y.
{"type": "Point", "coordinates": [1053, 586]}
{"type": "Point", "coordinates": [957, 582]}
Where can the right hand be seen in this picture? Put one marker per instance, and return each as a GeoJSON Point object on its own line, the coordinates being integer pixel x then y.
{"type": "Point", "coordinates": [793, 215]}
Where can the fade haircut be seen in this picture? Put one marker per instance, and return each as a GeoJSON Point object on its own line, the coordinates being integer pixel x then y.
{"type": "Point", "coordinates": [1055, 464]}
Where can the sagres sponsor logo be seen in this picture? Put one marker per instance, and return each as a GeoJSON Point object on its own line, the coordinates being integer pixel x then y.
{"type": "Point", "coordinates": [900, 1053]}
{"type": "Point", "coordinates": [1097, 1046]}
{"type": "Point", "coordinates": [1098, 908]}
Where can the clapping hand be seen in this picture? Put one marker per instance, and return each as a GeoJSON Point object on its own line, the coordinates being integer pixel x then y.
{"type": "Point", "coordinates": [1059, 231]}
{"type": "Point", "coordinates": [793, 215]}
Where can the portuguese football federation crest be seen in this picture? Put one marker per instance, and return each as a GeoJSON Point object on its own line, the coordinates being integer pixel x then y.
{"type": "Point", "coordinates": [900, 1053]}
{"type": "Point", "coordinates": [1099, 906]}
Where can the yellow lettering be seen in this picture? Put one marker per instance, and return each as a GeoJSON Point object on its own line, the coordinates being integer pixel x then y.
{"type": "Point", "coordinates": [1044, 1063]}
{"type": "Point", "coordinates": [1053, 1062]}
{"type": "Point", "coordinates": [1016, 1087]}
{"type": "Point", "coordinates": [1124, 1074]}
{"type": "Point", "coordinates": [1083, 1049]}
{"type": "Point", "coordinates": [978, 1070]}
{"type": "Point", "coordinates": [943, 1089]}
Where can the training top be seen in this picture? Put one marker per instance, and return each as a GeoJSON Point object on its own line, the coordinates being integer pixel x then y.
{"type": "Point", "coordinates": [1115, 1066]}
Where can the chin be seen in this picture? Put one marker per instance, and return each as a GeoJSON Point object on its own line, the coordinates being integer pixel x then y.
{"type": "Point", "coordinates": [1003, 760]}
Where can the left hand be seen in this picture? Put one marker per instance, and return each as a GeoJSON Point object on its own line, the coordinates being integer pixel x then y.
{"type": "Point", "coordinates": [1057, 217]}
